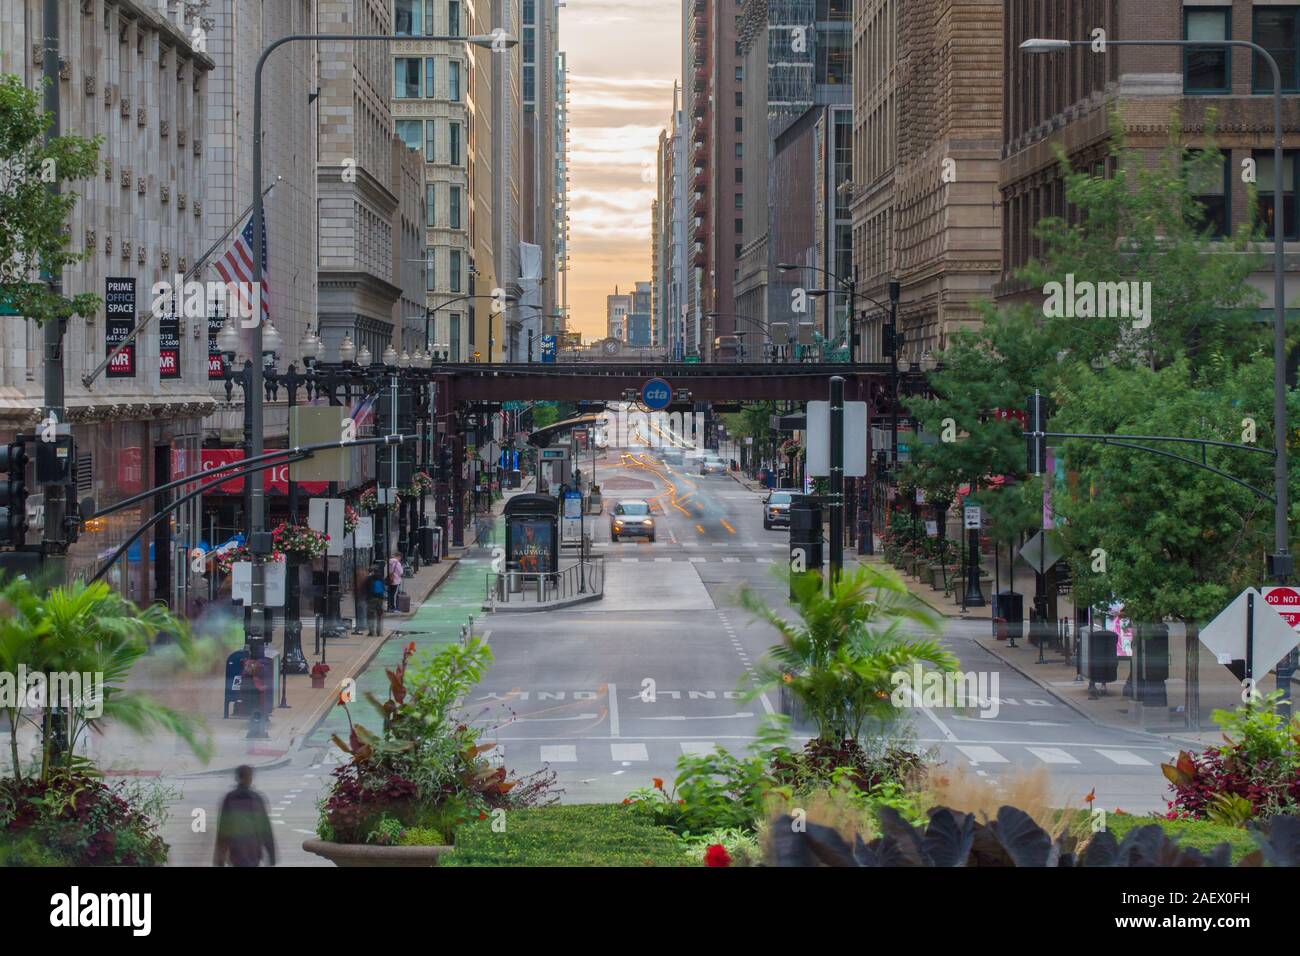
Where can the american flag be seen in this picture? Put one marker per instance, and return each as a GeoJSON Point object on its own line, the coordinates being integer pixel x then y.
{"type": "Point", "coordinates": [236, 266]}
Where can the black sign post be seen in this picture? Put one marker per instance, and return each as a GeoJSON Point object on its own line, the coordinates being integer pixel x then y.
{"type": "Point", "coordinates": [119, 313]}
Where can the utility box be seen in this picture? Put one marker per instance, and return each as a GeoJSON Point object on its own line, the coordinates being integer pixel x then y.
{"type": "Point", "coordinates": [1010, 607]}
{"type": "Point", "coordinates": [805, 536]}
{"type": "Point", "coordinates": [1151, 657]}
{"type": "Point", "coordinates": [1101, 665]}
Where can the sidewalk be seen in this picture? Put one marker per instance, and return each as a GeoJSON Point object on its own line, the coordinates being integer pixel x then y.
{"type": "Point", "coordinates": [1107, 707]}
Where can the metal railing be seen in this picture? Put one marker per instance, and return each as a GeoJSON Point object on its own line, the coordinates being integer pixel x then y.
{"type": "Point", "coordinates": [512, 586]}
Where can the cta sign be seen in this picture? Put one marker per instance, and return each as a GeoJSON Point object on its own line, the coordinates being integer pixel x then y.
{"type": "Point", "coordinates": [656, 394]}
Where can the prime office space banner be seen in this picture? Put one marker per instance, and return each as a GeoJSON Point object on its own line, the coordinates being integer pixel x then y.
{"type": "Point", "coordinates": [169, 342]}
{"type": "Point", "coordinates": [119, 323]}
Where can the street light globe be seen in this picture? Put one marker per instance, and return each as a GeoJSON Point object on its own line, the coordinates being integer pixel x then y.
{"type": "Point", "coordinates": [390, 355]}
{"type": "Point", "coordinates": [228, 338]}
{"type": "Point", "coordinates": [347, 350]}
{"type": "Point", "coordinates": [498, 39]}
{"type": "Point", "coordinates": [363, 356]}
{"type": "Point", "coordinates": [1039, 45]}
{"type": "Point", "coordinates": [405, 360]}
{"type": "Point", "coordinates": [309, 347]}
{"type": "Point", "coordinates": [272, 340]}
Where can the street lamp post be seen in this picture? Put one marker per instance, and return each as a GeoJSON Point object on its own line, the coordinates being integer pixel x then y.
{"type": "Point", "coordinates": [259, 543]}
{"type": "Point", "coordinates": [1281, 562]}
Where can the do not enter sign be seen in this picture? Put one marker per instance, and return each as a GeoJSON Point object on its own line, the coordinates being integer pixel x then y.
{"type": "Point", "coordinates": [1286, 601]}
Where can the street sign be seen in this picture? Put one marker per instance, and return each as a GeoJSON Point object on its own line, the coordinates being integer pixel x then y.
{"type": "Point", "coordinates": [973, 518]}
{"type": "Point", "coordinates": [656, 394]}
{"type": "Point", "coordinates": [326, 515]}
{"type": "Point", "coordinates": [1041, 552]}
{"type": "Point", "coordinates": [1287, 602]}
{"type": "Point", "coordinates": [1273, 637]}
{"type": "Point", "coordinates": [855, 439]}
{"type": "Point", "coordinates": [548, 349]}
{"type": "Point", "coordinates": [273, 577]}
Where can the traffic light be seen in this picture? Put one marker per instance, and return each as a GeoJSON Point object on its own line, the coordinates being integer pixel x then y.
{"type": "Point", "coordinates": [13, 494]}
{"type": "Point", "coordinates": [1035, 444]}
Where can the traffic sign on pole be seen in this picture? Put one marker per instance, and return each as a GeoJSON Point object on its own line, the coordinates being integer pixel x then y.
{"type": "Point", "coordinates": [1286, 601]}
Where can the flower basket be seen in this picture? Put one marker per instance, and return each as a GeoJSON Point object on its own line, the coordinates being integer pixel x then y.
{"type": "Point", "coordinates": [369, 501]}
{"type": "Point", "coordinates": [300, 542]}
{"type": "Point", "coordinates": [350, 519]}
{"type": "Point", "coordinates": [228, 559]}
{"type": "Point", "coordinates": [318, 672]}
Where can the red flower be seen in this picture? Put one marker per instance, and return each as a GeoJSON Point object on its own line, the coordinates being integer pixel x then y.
{"type": "Point", "coordinates": [658, 782]}
{"type": "Point", "coordinates": [627, 801]}
{"type": "Point", "coordinates": [716, 855]}
{"type": "Point", "coordinates": [482, 815]}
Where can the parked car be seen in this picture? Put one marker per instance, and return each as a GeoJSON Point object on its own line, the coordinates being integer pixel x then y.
{"type": "Point", "coordinates": [712, 465]}
{"type": "Point", "coordinates": [631, 519]}
{"type": "Point", "coordinates": [776, 509]}
{"type": "Point", "coordinates": [674, 456]}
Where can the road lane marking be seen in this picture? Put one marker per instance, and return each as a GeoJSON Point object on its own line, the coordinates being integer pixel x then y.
{"type": "Point", "coordinates": [702, 716]}
{"type": "Point", "coordinates": [626, 753]}
{"type": "Point", "coordinates": [979, 755]}
{"type": "Point", "coordinates": [611, 693]}
{"type": "Point", "coordinates": [698, 748]}
{"type": "Point", "coordinates": [559, 753]}
{"type": "Point", "coordinates": [731, 560]}
{"type": "Point", "coordinates": [1124, 758]}
{"type": "Point", "coordinates": [1051, 755]}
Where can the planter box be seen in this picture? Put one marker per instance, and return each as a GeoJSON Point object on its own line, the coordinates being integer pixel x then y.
{"type": "Point", "coordinates": [369, 854]}
{"type": "Point", "coordinates": [937, 576]}
{"type": "Point", "coordinates": [317, 683]}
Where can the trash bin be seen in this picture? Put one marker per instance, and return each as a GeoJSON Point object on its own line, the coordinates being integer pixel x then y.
{"type": "Point", "coordinates": [430, 546]}
{"type": "Point", "coordinates": [1151, 652]}
{"type": "Point", "coordinates": [1009, 605]}
{"type": "Point", "coordinates": [1102, 665]}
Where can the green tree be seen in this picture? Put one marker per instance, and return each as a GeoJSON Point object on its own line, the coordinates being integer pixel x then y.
{"type": "Point", "coordinates": [839, 656]}
{"type": "Point", "coordinates": [35, 238]}
{"type": "Point", "coordinates": [1177, 539]}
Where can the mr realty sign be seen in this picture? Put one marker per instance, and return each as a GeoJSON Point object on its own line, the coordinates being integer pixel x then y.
{"type": "Point", "coordinates": [119, 324]}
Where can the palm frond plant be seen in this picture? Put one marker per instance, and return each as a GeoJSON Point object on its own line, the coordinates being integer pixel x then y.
{"type": "Point", "coordinates": [91, 630]}
{"type": "Point", "coordinates": [839, 655]}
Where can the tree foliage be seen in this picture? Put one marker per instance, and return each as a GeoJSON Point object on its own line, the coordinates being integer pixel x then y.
{"type": "Point", "coordinates": [35, 238]}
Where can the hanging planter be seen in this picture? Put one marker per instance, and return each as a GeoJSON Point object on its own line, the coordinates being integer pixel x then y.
{"type": "Point", "coordinates": [228, 559]}
{"type": "Point", "coordinates": [350, 519]}
{"type": "Point", "coordinates": [369, 501]}
{"type": "Point", "coordinates": [300, 542]}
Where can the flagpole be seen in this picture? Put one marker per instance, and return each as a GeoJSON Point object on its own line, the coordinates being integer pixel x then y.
{"type": "Point", "coordinates": [89, 378]}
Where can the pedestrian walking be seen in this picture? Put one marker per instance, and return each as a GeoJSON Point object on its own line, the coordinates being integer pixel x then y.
{"type": "Point", "coordinates": [244, 827]}
{"type": "Point", "coordinates": [395, 572]}
{"type": "Point", "coordinates": [375, 591]}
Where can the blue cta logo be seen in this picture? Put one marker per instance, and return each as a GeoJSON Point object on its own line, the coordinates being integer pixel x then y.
{"type": "Point", "coordinates": [656, 394]}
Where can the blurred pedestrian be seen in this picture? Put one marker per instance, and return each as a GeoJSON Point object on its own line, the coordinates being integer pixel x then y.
{"type": "Point", "coordinates": [395, 571]}
{"type": "Point", "coordinates": [375, 590]}
{"type": "Point", "coordinates": [244, 827]}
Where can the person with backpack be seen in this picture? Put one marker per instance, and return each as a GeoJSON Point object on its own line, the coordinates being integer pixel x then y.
{"type": "Point", "coordinates": [376, 595]}
{"type": "Point", "coordinates": [395, 571]}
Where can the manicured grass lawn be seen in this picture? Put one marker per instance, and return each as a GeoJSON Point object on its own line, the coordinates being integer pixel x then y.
{"type": "Point", "coordinates": [1196, 834]}
{"type": "Point", "coordinates": [571, 835]}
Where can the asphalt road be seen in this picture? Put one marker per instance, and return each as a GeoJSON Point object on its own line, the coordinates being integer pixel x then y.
{"type": "Point", "coordinates": [610, 694]}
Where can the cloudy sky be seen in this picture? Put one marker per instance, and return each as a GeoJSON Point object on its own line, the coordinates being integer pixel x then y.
{"type": "Point", "coordinates": [624, 56]}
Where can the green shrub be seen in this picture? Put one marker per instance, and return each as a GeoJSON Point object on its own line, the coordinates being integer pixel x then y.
{"type": "Point", "coordinates": [27, 850]}
{"type": "Point", "coordinates": [1196, 834]}
{"type": "Point", "coordinates": [574, 835]}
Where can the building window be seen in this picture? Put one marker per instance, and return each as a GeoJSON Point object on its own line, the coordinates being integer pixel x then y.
{"type": "Point", "coordinates": [453, 207]}
{"type": "Point", "coordinates": [406, 17]}
{"type": "Point", "coordinates": [429, 127]}
{"type": "Point", "coordinates": [430, 204]}
{"type": "Point", "coordinates": [455, 270]}
{"type": "Point", "coordinates": [429, 91]}
{"type": "Point", "coordinates": [455, 336]}
{"type": "Point", "coordinates": [530, 84]}
{"type": "Point", "coordinates": [740, 150]}
{"type": "Point", "coordinates": [1208, 185]}
{"type": "Point", "coordinates": [740, 200]}
{"type": "Point", "coordinates": [740, 74]}
{"type": "Point", "coordinates": [1265, 181]}
{"type": "Point", "coordinates": [740, 98]}
{"type": "Point", "coordinates": [453, 143]}
{"type": "Point", "coordinates": [740, 125]}
{"type": "Point", "coordinates": [1207, 69]}
{"type": "Point", "coordinates": [411, 133]}
{"type": "Point", "coordinates": [406, 78]}
{"type": "Point", "coordinates": [1277, 30]}
{"type": "Point", "coordinates": [428, 270]}
{"type": "Point", "coordinates": [740, 174]}
{"type": "Point", "coordinates": [740, 226]}
{"type": "Point", "coordinates": [453, 18]}
{"type": "Point", "coordinates": [453, 80]}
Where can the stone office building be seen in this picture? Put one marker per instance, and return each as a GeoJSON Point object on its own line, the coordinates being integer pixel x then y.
{"type": "Point", "coordinates": [127, 73]}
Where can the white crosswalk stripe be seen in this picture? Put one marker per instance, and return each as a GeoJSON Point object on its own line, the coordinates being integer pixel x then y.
{"type": "Point", "coordinates": [697, 560]}
{"type": "Point", "coordinates": [559, 753]}
{"type": "Point", "coordinates": [628, 752]}
{"type": "Point", "coordinates": [698, 748]}
{"type": "Point", "coordinates": [731, 560]}
{"type": "Point", "coordinates": [1124, 758]}
{"type": "Point", "coordinates": [979, 755]}
{"type": "Point", "coordinates": [662, 560]}
{"type": "Point", "coordinates": [1051, 755]}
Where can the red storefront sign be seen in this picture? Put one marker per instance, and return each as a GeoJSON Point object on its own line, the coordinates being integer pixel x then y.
{"type": "Point", "coordinates": [275, 480]}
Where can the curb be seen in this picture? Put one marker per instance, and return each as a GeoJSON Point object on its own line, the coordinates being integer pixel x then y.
{"type": "Point", "coordinates": [522, 609]}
